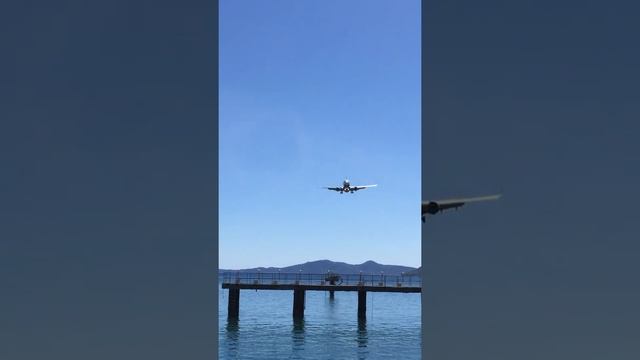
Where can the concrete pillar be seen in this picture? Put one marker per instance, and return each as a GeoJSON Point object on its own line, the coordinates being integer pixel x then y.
{"type": "Point", "coordinates": [234, 303]}
{"type": "Point", "coordinates": [298, 304]}
{"type": "Point", "coordinates": [362, 304]}
{"type": "Point", "coordinates": [331, 294]}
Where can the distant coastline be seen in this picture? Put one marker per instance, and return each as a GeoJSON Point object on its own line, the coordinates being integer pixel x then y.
{"type": "Point", "coordinates": [323, 266]}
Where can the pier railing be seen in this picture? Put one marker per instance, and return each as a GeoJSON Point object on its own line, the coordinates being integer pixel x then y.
{"type": "Point", "coordinates": [264, 278]}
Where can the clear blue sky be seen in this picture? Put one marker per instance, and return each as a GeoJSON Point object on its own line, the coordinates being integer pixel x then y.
{"type": "Point", "coordinates": [312, 93]}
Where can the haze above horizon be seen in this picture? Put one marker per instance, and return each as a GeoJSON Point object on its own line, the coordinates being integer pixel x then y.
{"type": "Point", "coordinates": [318, 261]}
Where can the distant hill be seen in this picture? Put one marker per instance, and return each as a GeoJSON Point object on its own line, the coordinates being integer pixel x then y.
{"type": "Point", "coordinates": [417, 272]}
{"type": "Point", "coordinates": [322, 266]}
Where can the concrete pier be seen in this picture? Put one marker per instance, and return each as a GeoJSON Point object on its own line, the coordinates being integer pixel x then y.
{"type": "Point", "coordinates": [362, 304]}
{"type": "Point", "coordinates": [234, 303]}
{"type": "Point", "coordinates": [300, 283]}
{"type": "Point", "coordinates": [331, 292]}
{"type": "Point", "coordinates": [298, 304]}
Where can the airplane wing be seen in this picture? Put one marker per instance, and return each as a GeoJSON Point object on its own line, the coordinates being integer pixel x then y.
{"type": "Point", "coordinates": [333, 188]}
{"type": "Point", "coordinates": [456, 203]}
{"type": "Point", "coordinates": [433, 207]}
{"type": "Point", "coordinates": [356, 188]}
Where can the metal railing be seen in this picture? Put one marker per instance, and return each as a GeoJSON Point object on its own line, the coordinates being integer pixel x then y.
{"type": "Point", "coordinates": [260, 278]}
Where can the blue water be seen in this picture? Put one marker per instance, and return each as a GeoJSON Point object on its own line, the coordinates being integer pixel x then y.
{"type": "Point", "coordinates": [330, 329]}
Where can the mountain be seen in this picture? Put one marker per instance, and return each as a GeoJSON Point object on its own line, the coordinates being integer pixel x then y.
{"type": "Point", "coordinates": [322, 266]}
{"type": "Point", "coordinates": [417, 272]}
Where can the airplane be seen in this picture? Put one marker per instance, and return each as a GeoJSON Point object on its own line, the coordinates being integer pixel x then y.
{"type": "Point", "coordinates": [347, 187]}
{"type": "Point", "coordinates": [434, 207]}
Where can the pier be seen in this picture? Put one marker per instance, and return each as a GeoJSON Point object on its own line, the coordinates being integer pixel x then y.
{"type": "Point", "coordinates": [300, 283]}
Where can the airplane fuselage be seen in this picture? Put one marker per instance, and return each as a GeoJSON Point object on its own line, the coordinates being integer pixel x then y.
{"type": "Point", "coordinates": [346, 186]}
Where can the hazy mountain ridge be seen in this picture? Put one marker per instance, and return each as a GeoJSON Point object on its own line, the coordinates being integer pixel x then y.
{"type": "Point", "coordinates": [322, 266]}
{"type": "Point", "coordinates": [417, 272]}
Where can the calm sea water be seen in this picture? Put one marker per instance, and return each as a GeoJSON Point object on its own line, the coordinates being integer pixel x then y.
{"type": "Point", "coordinates": [330, 329]}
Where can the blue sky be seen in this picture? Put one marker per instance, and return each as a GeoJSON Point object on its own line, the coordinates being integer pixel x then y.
{"type": "Point", "coordinates": [312, 93]}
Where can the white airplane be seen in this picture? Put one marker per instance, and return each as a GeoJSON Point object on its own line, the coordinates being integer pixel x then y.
{"type": "Point", "coordinates": [434, 207]}
{"type": "Point", "coordinates": [347, 187]}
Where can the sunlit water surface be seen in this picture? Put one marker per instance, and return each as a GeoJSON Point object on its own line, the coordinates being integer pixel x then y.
{"type": "Point", "coordinates": [330, 329]}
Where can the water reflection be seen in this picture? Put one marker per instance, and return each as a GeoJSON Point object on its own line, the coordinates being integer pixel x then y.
{"type": "Point", "coordinates": [232, 325]}
{"type": "Point", "coordinates": [329, 330]}
{"type": "Point", "coordinates": [362, 338]}
{"type": "Point", "coordinates": [331, 301]}
{"type": "Point", "coordinates": [297, 334]}
{"type": "Point", "coordinates": [362, 332]}
{"type": "Point", "coordinates": [232, 343]}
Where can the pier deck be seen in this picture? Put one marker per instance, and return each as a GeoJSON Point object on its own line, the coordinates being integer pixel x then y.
{"type": "Point", "coordinates": [368, 288]}
{"type": "Point", "coordinates": [299, 283]}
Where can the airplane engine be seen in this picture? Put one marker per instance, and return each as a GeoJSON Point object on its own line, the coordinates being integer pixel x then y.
{"type": "Point", "coordinates": [433, 208]}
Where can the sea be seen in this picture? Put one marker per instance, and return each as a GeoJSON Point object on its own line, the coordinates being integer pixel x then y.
{"type": "Point", "coordinates": [330, 329]}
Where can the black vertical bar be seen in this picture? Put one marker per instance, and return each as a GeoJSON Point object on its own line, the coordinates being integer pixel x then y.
{"type": "Point", "coordinates": [362, 304]}
{"type": "Point", "coordinates": [298, 304]}
{"type": "Point", "coordinates": [234, 303]}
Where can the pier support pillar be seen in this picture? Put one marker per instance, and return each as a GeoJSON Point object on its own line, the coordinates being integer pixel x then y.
{"type": "Point", "coordinates": [298, 304]}
{"type": "Point", "coordinates": [362, 304]}
{"type": "Point", "coordinates": [234, 303]}
{"type": "Point", "coordinates": [331, 294]}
